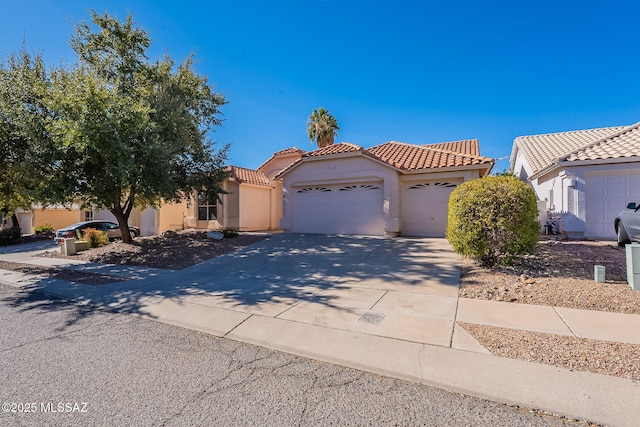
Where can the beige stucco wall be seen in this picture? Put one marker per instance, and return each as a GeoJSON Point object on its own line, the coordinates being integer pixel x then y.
{"type": "Point", "coordinates": [58, 218]}
{"type": "Point", "coordinates": [255, 207]}
{"type": "Point", "coordinates": [229, 210]}
{"type": "Point", "coordinates": [276, 206]}
{"type": "Point", "coordinates": [152, 221]}
{"type": "Point", "coordinates": [172, 216]}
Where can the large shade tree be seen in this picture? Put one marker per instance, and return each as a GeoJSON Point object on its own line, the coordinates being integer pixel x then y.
{"type": "Point", "coordinates": [23, 135]}
{"type": "Point", "coordinates": [322, 127]}
{"type": "Point", "coordinates": [129, 132]}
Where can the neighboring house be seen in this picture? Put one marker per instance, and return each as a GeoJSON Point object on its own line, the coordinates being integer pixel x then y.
{"type": "Point", "coordinates": [253, 202]}
{"type": "Point", "coordinates": [390, 189]}
{"type": "Point", "coordinates": [254, 199]}
{"type": "Point", "coordinates": [584, 178]}
{"type": "Point", "coordinates": [151, 221]}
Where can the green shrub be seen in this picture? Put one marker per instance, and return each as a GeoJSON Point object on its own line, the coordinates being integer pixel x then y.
{"type": "Point", "coordinates": [493, 219]}
{"type": "Point", "coordinates": [228, 234]}
{"type": "Point", "coordinates": [95, 237]}
{"type": "Point", "coordinates": [45, 228]}
{"type": "Point", "coordinates": [9, 236]}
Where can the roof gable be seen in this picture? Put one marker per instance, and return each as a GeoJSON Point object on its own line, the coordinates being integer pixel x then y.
{"type": "Point", "coordinates": [287, 152]}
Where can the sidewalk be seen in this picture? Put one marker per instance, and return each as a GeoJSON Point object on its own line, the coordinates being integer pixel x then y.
{"type": "Point", "coordinates": [394, 329]}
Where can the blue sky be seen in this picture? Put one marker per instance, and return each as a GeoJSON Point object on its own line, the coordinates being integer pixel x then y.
{"type": "Point", "coordinates": [418, 72]}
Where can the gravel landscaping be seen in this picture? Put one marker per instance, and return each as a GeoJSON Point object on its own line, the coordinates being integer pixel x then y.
{"type": "Point", "coordinates": [173, 251]}
{"type": "Point", "coordinates": [559, 273]}
{"type": "Point", "coordinates": [578, 354]}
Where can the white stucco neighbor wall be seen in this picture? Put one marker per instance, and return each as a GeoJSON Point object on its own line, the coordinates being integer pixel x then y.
{"type": "Point", "coordinates": [565, 193]}
{"type": "Point", "coordinates": [521, 167]}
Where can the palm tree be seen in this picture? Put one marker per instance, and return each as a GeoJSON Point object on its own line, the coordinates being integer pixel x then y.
{"type": "Point", "coordinates": [322, 127]}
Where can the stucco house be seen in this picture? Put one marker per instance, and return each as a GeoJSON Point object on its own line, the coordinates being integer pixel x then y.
{"type": "Point", "coordinates": [390, 189]}
{"type": "Point", "coordinates": [582, 178]}
{"type": "Point", "coordinates": [254, 199]}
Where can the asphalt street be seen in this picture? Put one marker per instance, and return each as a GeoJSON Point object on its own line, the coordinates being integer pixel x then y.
{"type": "Point", "coordinates": [63, 364]}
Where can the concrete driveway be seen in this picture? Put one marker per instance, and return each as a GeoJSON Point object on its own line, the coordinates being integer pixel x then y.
{"type": "Point", "coordinates": [399, 288]}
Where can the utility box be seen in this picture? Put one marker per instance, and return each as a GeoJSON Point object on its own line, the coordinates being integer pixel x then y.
{"type": "Point", "coordinates": [633, 266]}
{"type": "Point", "coordinates": [598, 273]}
{"type": "Point", "coordinates": [69, 247]}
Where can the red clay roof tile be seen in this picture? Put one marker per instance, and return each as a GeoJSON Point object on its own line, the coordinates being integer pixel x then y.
{"type": "Point", "coordinates": [249, 176]}
{"type": "Point", "coordinates": [343, 147]}
{"type": "Point", "coordinates": [416, 157]}
{"type": "Point", "coordinates": [465, 146]}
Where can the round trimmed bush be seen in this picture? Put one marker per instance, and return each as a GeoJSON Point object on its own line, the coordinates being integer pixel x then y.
{"type": "Point", "coordinates": [493, 219]}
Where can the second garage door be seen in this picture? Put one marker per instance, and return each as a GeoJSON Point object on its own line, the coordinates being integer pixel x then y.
{"type": "Point", "coordinates": [606, 195]}
{"type": "Point", "coordinates": [425, 208]}
{"type": "Point", "coordinates": [339, 209]}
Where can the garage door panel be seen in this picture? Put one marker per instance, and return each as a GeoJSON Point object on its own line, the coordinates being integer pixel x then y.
{"type": "Point", "coordinates": [425, 208]}
{"type": "Point", "coordinates": [339, 209]}
{"type": "Point", "coordinates": [606, 195]}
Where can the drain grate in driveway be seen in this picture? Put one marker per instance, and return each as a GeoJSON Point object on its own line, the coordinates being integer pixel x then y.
{"type": "Point", "coordinates": [371, 318]}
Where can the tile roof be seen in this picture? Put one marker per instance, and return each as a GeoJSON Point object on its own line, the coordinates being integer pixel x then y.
{"type": "Point", "coordinates": [343, 147]}
{"type": "Point", "coordinates": [410, 157]}
{"type": "Point", "coordinates": [543, 152]}
{"type": "Point", "coordinates": [625, 143]}
{"type": "Point", "coordinates": [249, 176]}
{"type": "Point", "coordinates": [290, 150]}
{"type": "Point", "coordinates": [465, 146]}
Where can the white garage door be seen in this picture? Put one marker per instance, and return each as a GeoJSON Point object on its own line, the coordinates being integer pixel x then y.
{"type": "Point", "coordinates": [339, 209]}
{"type": "Point", "coordinates": [606, 195]}
{"type": "Point", "coordinates": [425, 208]}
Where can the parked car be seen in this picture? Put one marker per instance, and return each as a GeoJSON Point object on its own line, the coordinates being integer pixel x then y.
{"type": "Point", "coordinates": [627, 224]}
{"type": "Point", "coordinates": [110, 228]}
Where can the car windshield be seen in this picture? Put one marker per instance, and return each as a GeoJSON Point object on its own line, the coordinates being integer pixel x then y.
{"type": "Point", "coordinates": [77, 224]}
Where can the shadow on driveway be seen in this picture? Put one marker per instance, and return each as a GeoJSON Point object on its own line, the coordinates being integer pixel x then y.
{"type": "Point", "coordinates": [279, 271]}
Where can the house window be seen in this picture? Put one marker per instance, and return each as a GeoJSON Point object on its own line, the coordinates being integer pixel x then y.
{"type": "Point", "coordinates": [88, 215]}
{"type": "Point", "coordinates": [207, 206]}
